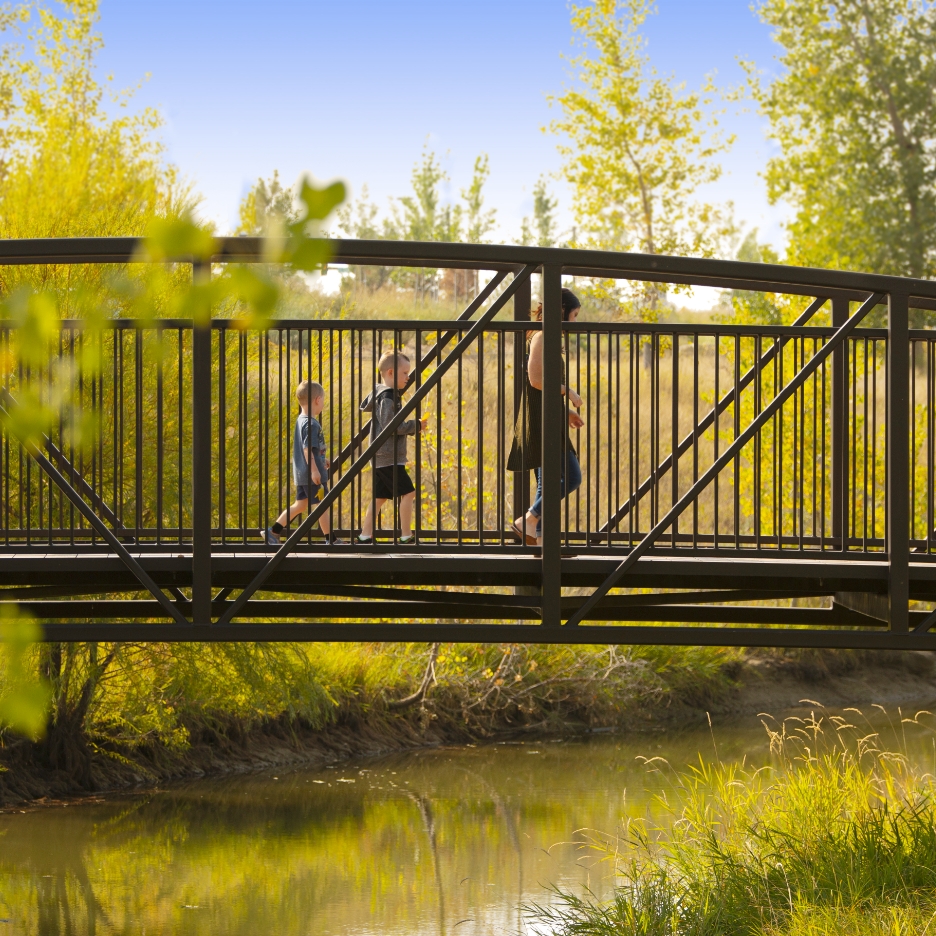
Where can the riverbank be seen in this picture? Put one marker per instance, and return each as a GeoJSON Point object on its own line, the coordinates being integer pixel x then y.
{"type": "Point", "coordinates": [450, 700]}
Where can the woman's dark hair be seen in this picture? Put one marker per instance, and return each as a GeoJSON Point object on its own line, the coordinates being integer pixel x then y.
{"type": "Point", "coordinates": [570, 302]}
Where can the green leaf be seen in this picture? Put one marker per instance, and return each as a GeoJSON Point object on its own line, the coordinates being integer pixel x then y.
{"type": "Point", "coordinates": [320, 202]}
{"type": "Point", "coordinates": [309, 253]}
{"type": "Point", "coordinates": [199, 299]}
{"type": "Point", "coordinates": [37, 318]}
{"type": "Point", "coordinates": [178, 239]}
{"type": "Point", "coordinates": [24, 700]}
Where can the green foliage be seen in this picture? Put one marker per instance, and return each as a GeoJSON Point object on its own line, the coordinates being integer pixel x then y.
{"type": "Point", "coordinates": [639, 146]}
{"type": "Point", "coordinates": [542, 230]}
{"type": "Point", "coordinates": [69, 166]}
{"type": "Point", "coordinates": [23, 699]}
{"type": "Point", "coordinates": [479, 222]}
{"type": "Point", "coordinates": [46, 387]}
{"type": "Point", "coordinates": [855, 119]}
{"type": "Point", "coordinates": [760, 308]}
{"type": "Point", "coordinates": [420, 216]}
{"type": "Point", "coordinates": [267, 209]}
{"type": "Point", "coordinates": [837, 830]}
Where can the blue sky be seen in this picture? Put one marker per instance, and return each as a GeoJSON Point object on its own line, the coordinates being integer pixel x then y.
{"type": "Point", "coordinates": [355, 88]}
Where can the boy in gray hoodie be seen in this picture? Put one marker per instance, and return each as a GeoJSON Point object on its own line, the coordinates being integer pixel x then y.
{"type": "Point", "coordinates": [390, 476]}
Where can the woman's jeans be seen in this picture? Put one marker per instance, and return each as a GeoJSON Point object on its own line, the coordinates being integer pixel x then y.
{"type": "Point", "coordinates": [571, 481]}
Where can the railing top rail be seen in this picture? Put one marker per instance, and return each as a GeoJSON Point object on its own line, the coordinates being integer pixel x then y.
{"type": "Point", "coordinates": [608, 264]}
{"type": "Point", "coordinates": [682, 329]}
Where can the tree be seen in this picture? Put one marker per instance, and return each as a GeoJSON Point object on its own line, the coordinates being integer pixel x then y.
{"type": "Point", "coordinates": [640, 146]}
{"type": "Point", "coordinates": [423, 216]}
{"type": "Point", "coordinates": [360, 220]}
{"type": "Point", "coordinates": [758, 307]}
{"type": "Point", "coordinates": [542, 231]}
{"type": "Point", "coordinates": [267, 208]}
{"type": "Point", "coordinates": [67, 167]}
{"type": "Point", "coordinates": [854, 115]}
{"type": "Point", "coordinates": [478, 222]}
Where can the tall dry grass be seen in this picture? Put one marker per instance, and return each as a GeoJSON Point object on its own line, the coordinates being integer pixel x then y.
{"type": "Point", "coordinates": [837, 834]}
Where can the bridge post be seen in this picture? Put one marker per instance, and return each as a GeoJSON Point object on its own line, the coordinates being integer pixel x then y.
{"type": "Point", "coordinates": [898, 461]}
{"type": "Point", "coordinates": [840, 310]}
{"type": "Point", "coordinates": [201, 463]}
{"type": "Point", "coordinates": [554, 433]}
{"type": "Point", "coordinates": [522, 303]}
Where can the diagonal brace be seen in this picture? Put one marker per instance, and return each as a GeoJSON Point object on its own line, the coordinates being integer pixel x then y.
{"type": "Point", "coordinates": [707, 420]}
{"type": "Point", "coordinates": [99, 526]}
{"type": "Point", "coordinates": [727, 456]}
{"type": "Point", "coordinates": [364, 458]}
{"type": "Point", "coordinates": [444, 339]}
{"type": "Point", "coordinates": [57, 455]}
{"type": "Point", "coordinates": [926, 624]}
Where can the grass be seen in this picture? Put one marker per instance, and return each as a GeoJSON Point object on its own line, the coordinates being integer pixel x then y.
{"type": "Point", "coordinates": [836, 835]}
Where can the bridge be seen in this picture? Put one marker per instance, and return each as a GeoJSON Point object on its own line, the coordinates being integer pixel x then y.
{"type": "Point", "coordinates": [752, 485]}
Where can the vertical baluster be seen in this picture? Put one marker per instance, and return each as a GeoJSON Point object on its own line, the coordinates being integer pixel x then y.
{"type": "Point", "coordinates": [552, 445]}
{"type": "Point", "coordinates": [715, 440]}
{"type": "Point", "coordinates": [898, 488]}
{"type": "Point", "coordinates": [874, 491]}
{"type": "Point", "coordinates": [736, 477]}
{"type": "Point", "coordinates": [674, 437]}
{"type": "Point", "coordinates": [201, 463]}
{"type": "Point", "coordinates": [479, 511]}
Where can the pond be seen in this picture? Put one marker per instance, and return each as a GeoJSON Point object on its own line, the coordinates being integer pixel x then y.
{"type": "Point", "coordinates": [439, 841]}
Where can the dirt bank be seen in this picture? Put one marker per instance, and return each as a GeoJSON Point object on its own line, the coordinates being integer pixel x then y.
{"type": "Point", "coordinates": [764, 682]}
{"type": "Point", "coordinates": [775, 682]}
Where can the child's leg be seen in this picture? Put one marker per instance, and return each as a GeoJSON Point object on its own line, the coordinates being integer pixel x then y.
{"type": "Point", "coordinates": [325, 524]}
{"type": "Point", "coordinates": [406, 513]}
{"type": "Point", "coordinates": [367, 526]}
{"type": "Point", "coordinates": [293, 510]}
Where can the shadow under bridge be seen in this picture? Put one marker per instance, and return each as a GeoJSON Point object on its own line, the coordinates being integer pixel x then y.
{"type": "Point", "coordinates": [749, 485]}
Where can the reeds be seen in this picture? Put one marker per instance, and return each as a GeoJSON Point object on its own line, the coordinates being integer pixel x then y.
{"type": "Point", "coordinates": [836, 835]}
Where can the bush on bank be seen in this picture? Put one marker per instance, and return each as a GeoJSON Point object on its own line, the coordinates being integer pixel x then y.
{"type": "Point", "coordinates": [110, 701]}
{"type": "Point", "coordinates": [837, 835]}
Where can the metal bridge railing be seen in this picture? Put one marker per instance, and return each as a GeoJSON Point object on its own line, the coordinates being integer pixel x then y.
{"type": "Point", "coordinates": [649, 392]}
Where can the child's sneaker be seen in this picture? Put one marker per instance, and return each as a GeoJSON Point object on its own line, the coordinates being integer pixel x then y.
{"type": "Point", "coordinates": [407, 540]}
{"type": "Point", "coordinates": [334, 541]}
{"type": "Point", "coordinates": [272, 538]}
{"type": "Point", "coordinates": [364, 540]}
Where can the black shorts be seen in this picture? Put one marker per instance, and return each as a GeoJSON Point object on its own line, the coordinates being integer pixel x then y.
{"type": "Point", "coordinates": [303, 494]}
{"type": "Point", "coordinates": [384, 480]}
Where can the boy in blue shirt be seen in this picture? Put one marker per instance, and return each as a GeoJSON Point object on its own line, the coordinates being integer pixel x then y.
{"type": "Point", "coordinates": [308, 462]}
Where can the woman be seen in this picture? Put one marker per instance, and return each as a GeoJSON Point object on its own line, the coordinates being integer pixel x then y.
{"type": "Point", "coordinates": [526, 452]}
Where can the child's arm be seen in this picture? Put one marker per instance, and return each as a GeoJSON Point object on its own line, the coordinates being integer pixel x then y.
{"type": "Point", "coordinates": [386, 412]}
{"type": "Point", "coordinates": [313, 468]}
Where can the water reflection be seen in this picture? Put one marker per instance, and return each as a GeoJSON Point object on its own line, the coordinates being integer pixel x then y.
{"type": "Point", "coordinates": [448, 841]}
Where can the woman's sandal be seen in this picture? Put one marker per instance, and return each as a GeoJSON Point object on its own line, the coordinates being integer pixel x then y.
{"type": "Point", "coordinates": [530, 540]}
